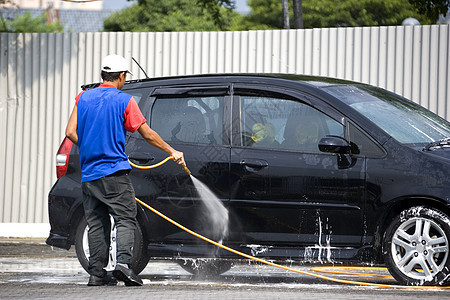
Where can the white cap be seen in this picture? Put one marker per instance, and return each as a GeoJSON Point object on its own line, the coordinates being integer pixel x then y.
{"type": "Point", "coordinates": [115, 63]}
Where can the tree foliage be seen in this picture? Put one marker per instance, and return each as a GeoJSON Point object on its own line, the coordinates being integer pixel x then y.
{"type": "Point", "coordinates": [333, 13]}
{"type": "Point", "coordinates": [358, 13]}
{"type": "Point", "coordinates": [268, 12]}
{"type": "Point", "coordinates": [214, 9]}
{"type": "Point", "coordinates": [432, 9]}
{"type": "Point", "coordinates": [168, 15]}
{"type": "Point", "coordinates": [197, 15]}
{"type": "Point", "coordinates": [28, 23]}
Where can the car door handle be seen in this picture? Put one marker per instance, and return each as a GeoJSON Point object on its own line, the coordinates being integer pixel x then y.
{"type": "Point", "coordinates": [254, 163]}
{"type": "Point", "coordinates": [141, 158]}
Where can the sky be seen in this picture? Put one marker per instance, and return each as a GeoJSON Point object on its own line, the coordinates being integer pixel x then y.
{"type": "Point", "coordinates": [241, 5]}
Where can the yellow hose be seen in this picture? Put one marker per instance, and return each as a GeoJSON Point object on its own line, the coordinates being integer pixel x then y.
{"type": "Point", "coordinates": [157, 165]}
{"type": "Point", "coordinates": [326, 269]}
{"type": "Point", "coordinates": [317, 269]}
{"type": "Point", "coordinates": [152, 166]}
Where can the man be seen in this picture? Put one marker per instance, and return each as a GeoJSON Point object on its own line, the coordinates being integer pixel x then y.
{"type": "Point", "coordinates": [98, 125]}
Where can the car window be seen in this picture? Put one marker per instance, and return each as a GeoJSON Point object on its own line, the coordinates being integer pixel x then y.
{"type": "Point", "coordinates": [404, 120]}
{"type": "Point", "coordinates": [188, 119]}
{"type": "Point", "coordinates": [361, 144]}
{"type": "Point", "coordinates": [284, 124]}
{"type": "Point", "coordinates": [137, 94]}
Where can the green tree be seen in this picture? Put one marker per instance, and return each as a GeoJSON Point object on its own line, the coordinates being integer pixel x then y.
{"type": "Point", "coordinates": [268, 12]}
{"type": "Point", "coordinates": [26, 23]}
{"type": "Point", "coordinates": [213, 8]}
{"type": "Point", "coordinates": [297, 9]}
{"type": "Point", "coordinates": [359, 13]}
{"type": "Point", "coordinates": [333, 13]}
{"type": "Point", "coordinates": [168, 15]}
{"type": "Point", "coordinates": [432, 9]}
{"type": "Point", "coordinates": [189, 15]}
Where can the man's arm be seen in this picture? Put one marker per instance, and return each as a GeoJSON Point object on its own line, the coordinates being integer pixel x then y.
{"type": "Point", "coordinates": [71, 129]}
{"type": "Point", "coordinates": [155, 140]}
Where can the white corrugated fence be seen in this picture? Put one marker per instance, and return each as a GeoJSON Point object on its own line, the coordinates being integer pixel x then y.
{"type": "Point", "coordinates": [42, 73]}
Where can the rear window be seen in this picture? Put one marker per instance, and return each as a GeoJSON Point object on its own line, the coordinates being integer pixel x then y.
{"type": "Point", "coordinates": [188, 119]}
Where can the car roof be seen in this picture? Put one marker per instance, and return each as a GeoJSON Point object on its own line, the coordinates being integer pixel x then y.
{"type": "Point", "coordinates": [315, 81]}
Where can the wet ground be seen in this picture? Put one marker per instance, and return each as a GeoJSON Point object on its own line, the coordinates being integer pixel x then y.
{"type": "Point", "coordinates": [29, 269]}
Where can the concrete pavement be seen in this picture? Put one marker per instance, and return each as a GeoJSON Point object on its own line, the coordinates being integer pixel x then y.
{"type": "Point", "coordinates": [31, 269]}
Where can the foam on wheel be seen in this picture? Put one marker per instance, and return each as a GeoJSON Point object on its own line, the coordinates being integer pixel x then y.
{"type": "Point", "coordinates": [416, 247]}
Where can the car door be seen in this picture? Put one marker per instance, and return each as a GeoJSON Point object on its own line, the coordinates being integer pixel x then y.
{"type": "Point", "coordinates": [191, 120]}
{"type": "Point", "coordinates": [284, 191]}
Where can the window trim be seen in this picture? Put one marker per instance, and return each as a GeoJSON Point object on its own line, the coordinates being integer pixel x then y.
{"type": "Point", "coordinates": [205, 90]}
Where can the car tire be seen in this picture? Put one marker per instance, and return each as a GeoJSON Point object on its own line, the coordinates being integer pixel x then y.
{"type": "Point", "coordinates": [416, 247]}
{"type": "Point", "coordinates": [205, 268]}
{"type": "Point", "coordinates": [140, 255]}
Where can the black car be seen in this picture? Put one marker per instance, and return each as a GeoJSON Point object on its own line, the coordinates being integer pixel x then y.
{"type": "Point", "coordinates": [310, 169]}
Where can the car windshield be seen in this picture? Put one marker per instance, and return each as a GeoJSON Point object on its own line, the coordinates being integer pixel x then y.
{"type": "Point", "coordinates": [404, 120]}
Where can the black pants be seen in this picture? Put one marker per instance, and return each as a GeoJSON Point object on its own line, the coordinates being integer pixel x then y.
{"type": "Point", "coordinates": [113, 195]}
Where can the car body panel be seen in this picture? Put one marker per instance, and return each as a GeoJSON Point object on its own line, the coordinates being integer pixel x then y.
{"type": "Point", "coordinates": [301, 197]}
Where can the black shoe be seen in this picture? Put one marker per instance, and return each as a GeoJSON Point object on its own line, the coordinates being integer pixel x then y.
{"type": "Point", "coordinates": [125, 274]}
{"type": "Point", "coordinates": [108, 279]}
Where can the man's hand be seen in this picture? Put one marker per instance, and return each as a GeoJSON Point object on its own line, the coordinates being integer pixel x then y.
{"type": "Point", "coordinates": [178, 157]}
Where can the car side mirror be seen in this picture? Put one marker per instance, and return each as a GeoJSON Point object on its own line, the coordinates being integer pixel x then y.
{"type": "Point", "coordinates": [339, 146]}
{"type": "Point", "coordinates": [334, 144]}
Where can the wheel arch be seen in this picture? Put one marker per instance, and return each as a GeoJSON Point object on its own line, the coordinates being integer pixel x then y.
{"type": "Point", "coordinates": [77, 216]}
{"type": "Point", "coordinates": [142, 220]}
{"type": "Point", "coordinates": [394, 208]}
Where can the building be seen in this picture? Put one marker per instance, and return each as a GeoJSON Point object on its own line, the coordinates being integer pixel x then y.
{"type": "Point", "coordinates": [74, 16]}
{"type": "Point", "coordinates": [57, 4]}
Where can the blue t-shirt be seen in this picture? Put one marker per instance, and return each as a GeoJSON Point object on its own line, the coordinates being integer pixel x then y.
{"type": "Point", "coordinates": [103, 117]}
